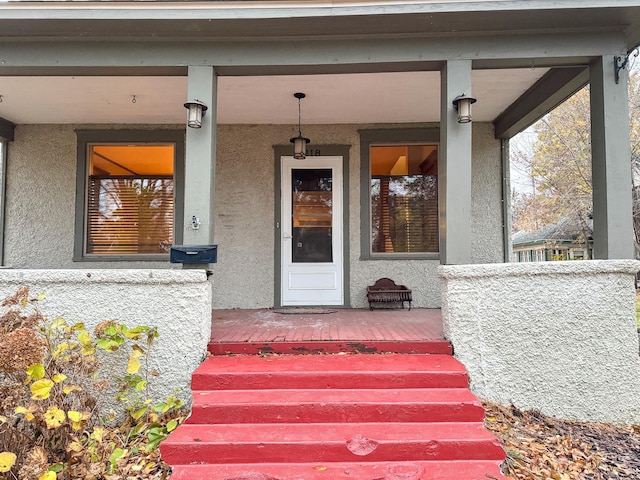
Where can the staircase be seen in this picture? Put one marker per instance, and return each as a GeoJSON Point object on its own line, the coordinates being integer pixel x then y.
{"type": "Point", "coordinates": [308, 417]}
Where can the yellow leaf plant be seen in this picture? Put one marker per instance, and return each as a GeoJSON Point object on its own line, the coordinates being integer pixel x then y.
{"type": "Point", "coordinates": [62, 387]}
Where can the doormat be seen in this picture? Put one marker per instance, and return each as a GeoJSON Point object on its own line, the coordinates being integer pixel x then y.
{"type": "Point", "coordinates": [304, 311]}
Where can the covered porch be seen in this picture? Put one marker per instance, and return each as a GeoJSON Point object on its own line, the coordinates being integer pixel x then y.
{"type": "Point", "coordinates": [81, 76]}
{"type": "Point", "coordinates": [379, 76]}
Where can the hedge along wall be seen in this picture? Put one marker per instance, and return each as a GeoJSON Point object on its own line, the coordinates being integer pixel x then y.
{"type": "Point", "coordinates": [178, 302]}
{"type": "Point", "coordinates": [559, 337]}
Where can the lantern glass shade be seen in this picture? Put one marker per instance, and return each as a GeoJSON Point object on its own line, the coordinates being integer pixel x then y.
{"type": "Point", "coordinates": [300, 146]}
{"type": "Point", "coordinates": [463, 106]}
{"type": "Point", "coordinates": [196, 111]}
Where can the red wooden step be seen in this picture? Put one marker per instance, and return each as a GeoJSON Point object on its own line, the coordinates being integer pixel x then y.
{"type": "Point", "coordinates": [441, 347]}
{"type": "Point", "coordinates": [420, 470]}
{"type": "Point", "coordinates": [336, 405]}
{"type": "Point", "coordinates": [330, 371]}
{"type": "Point", "coordinates": [330, 442]}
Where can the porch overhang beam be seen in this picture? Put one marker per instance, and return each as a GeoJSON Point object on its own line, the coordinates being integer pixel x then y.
{"type": "Point", "coordinates": [547, 93]}
{"type": "Point", "coordinates": [213, 20]}
{"type": "Point", "coordinates": [330, 54]}
{"type": "Point", "coordinates": [236, 71]}
{"type": "Point", "coordinates": [94, 71]}
{"type": "Point", "coordinates": [6, 129]}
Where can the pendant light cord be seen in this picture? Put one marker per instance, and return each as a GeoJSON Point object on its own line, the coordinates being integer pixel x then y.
{"type": "Point", "coordinates": [299, 119]}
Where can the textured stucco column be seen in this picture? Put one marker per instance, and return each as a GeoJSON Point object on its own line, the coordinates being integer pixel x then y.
{"type": "Point", "coordinates": [559, 337]}
{"type": "Point", "coordinates": [178, 302]}
{"type": "Point", "coordinates": [454, 167]}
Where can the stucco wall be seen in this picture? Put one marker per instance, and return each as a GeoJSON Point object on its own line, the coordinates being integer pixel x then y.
{"type": "Point", "coordinates": [40, 196]}
{"type": "Point", "coordinates": [177, 302]}
{"type": "Point", "coordinates": [41, 208]}
{"type": "Point", "coordinates": [559, 337]}
{"type": "Point", "coordinates": [486, 192]}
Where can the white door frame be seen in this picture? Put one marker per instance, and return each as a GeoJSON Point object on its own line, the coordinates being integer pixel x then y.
{"type": "Point", "coordinates": [307, 284]}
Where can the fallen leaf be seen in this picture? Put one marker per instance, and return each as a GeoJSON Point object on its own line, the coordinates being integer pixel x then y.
{"type": "Point", "coordinates": [7, 460]}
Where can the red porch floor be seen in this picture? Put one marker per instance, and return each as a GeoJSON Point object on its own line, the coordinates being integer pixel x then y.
{"type": "Point", "coordinates": [327, 331]}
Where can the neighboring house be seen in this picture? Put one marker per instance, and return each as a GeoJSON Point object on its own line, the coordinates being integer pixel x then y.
{"type": "Point", "coordinates": [101, 175]}
{"type": "Point", "coordinates": [560, 241]}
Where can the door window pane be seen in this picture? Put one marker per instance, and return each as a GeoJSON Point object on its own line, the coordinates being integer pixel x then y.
{"type": "Point", "coordinates": [311, 215]}
{"type": "Point", "coordinates": [404, 199]}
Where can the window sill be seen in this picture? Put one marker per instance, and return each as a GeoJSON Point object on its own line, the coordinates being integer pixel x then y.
{"type": "Point", "coordinates": [124, 258]}
{"type": "Point", "coordinates": [401, 256]}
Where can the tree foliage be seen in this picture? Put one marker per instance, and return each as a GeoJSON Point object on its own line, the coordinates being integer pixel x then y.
{"type": "Point", "coordinates": [558, 165]}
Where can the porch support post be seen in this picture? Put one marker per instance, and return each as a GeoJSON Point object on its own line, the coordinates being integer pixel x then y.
{"type": "Point", "coordinates": [454, 171]}
{"type": "Point", "coordinates": [200, 162]}
{"type": "Point", "coordinates": [611, 162]}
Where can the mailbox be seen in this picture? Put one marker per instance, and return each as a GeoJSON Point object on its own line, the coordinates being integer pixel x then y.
{"type": "Point", "coordinates": [194, 254]}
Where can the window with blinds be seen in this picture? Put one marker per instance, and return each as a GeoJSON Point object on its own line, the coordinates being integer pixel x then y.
{"type": "Point", "coordinates": [130, 199]}
{"type": "Point", "coordinates": [404, 199]}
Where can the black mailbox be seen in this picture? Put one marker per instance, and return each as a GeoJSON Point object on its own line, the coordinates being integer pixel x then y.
{"type": "Point", "coordinates": [194, 254]}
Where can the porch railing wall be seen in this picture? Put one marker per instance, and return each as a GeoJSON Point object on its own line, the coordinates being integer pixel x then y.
{"type": "Point", "coordinates": [559, 337]}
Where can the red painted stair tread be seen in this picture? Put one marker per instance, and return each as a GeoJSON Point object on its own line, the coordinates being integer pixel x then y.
{"type": "Point", "coordinates": [340, 432]}
{"type": "Point", "coordinates": [320, 363]}
{"type": "Point", "coordinates": [335, 405]}
{"type": "Point", "coordinates": [330, 441]}
{"type": "Point", "coordinates": [329, 379]}
{"type": "Point", "coordinates": [361, 396]}
{"type": "Point", "coordinates": [329, 347]}
{"type": "Point", "coordinates": [423, 470]}
{"type": "Point", "coordinates": [330, 371]}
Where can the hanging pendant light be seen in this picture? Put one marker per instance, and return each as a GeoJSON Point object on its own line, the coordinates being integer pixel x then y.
{"type": "Point", "coordinates": [299, 142]}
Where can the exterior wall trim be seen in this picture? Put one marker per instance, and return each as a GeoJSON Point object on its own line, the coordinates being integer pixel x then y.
{"type": "Point", "coordinates": [4, 152]}
{"type": "Point", "coordinates": [369, 137]}
{"type": "Point", "coordinates": [506, 200]}
{"type": "Point", "coordinates": [87, 136]}
{"type": "Point", "coordinates": [326, 56]}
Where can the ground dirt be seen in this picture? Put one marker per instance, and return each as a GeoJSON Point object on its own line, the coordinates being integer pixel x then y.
{"type": "Point", "coordinates": [540, 447]}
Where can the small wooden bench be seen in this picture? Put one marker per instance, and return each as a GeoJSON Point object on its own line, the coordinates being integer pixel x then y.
{"type": "Point", "coordinates": [385, 290]}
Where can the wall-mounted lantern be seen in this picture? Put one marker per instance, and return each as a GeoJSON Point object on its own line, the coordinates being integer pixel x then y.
{"type": "Point", "coordinates": [462, 103]}
{"type": "Point", "coordinates": [197, 110]}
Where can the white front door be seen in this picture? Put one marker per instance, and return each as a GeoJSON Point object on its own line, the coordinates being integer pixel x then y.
{"type": "Point", "coordinates": [311, 233]}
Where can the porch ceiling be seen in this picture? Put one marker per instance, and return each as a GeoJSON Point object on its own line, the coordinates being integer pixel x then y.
{"type": "Point", "coordinates": [357, 60]}
{"type": "Point", "coordinates": [341, 98]}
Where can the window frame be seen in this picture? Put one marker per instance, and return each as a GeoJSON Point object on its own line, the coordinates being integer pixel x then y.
{"type": "Point", "coordinates": [386, 137]}
{"type": "Point", "coordinates": [139, 137]}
